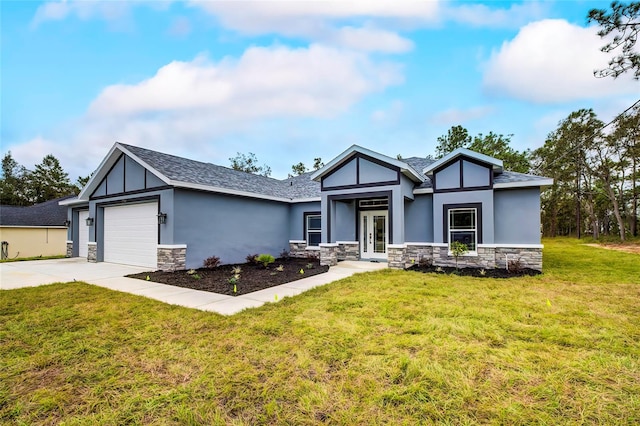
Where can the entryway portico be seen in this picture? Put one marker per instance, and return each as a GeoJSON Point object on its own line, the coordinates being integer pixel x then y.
{"type": "Point", "coordinates": [363, 194]}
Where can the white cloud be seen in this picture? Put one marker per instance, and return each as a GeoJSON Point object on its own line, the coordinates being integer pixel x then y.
{"type": "Point", "coordinates": [351, 24]}
{"type": "Point", "coordinates": [207, 104]}
{"type": "Point", "coordinates": [370, 40]}
{"type": "Point", "coordinates": [455, 116]}
{"type": "Point", "coordinates": [481, 15]}
{"type": "Point", "coordinates": [552, 61]}
{"type": "Point", "coordinates": [274, 81]}
{"type": "Point", "coordinates": [257, 17]}
{"type": "Point", "coordinates": [84, 10]}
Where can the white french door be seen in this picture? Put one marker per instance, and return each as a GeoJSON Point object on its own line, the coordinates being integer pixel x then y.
{"type": "Point", "coordinates": [374, 234]}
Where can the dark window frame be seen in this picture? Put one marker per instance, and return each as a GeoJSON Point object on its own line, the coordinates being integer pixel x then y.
{"type": "Point", "coordinates": [305, 230]}
{"type": "Point", "coordinates": [445, 220]}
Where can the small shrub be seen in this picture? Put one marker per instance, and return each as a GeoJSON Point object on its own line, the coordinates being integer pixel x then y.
{"type": "Point", "coordinates": [458, 249]}
{"type": "Point", "coordinates": [211, 262]}
{"type": "Point", "coordinates": [280, 268]}
{"type": "Point", "coordinates": [195, 276]}
{"type": "Point", "coordinates": [483, 272]}
{"type": "Point", "coordinates": [236, 270]}
{"type": "Point", "coordinates": [309, 265]}
{"type": "Point", "coordinates": [439, 269]}
{"type": "Point", "coordinates": [266, 259]}
{"type": "Point", "coordinates": [191, 271]}
{"type": "Point", "coordinates": [252, 259]}
{"type": "Point", "coordinates": [234, 280]}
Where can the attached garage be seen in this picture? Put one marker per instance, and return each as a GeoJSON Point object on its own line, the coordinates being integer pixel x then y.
{"type": "Point", "coordinates": [131, 234]}
{"type": "Point", "coordinates": [83, 233]}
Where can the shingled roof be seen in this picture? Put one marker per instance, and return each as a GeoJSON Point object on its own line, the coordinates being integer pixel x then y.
{"type": "Point", "coordinates": [183, 172]}
{"type": "Point", "coordinates": [180, 169]}
{"type": "Point", "coordinates": [49, 213]}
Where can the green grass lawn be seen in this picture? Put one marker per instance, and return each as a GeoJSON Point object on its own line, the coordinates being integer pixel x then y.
{"type": "Point", "coordinates": [390, 347]}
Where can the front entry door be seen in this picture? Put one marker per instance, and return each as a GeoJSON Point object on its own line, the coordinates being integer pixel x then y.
{"type": "Point", "coordinates": [374, 234]}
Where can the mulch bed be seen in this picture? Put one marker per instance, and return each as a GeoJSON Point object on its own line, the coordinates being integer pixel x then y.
{"type": "Point", "coordinates": [475, 272]}
{"type": "Point", "coordinates": [253, 277]}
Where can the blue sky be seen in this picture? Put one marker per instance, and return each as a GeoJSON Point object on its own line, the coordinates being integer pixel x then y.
{"type": "Point", "coordinates": [291, 80]}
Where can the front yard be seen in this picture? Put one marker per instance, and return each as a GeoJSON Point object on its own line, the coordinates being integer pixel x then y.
{"type": "Point", "coordinates": [390, 347]}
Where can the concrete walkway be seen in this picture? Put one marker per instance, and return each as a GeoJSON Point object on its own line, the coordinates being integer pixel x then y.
{"type": "Point", "coordinates": [110, 275]}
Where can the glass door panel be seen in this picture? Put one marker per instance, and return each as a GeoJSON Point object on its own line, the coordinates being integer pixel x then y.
{"type": "Point", "coordinates": [374, 234]}
{"type": "Point", "coordinates": [380, 242]}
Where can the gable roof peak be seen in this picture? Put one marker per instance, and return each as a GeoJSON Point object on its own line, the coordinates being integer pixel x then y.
{"type": "Point", "coordinates": [496, 164]}
{"type": "Point", "coordinates": [404, 167]}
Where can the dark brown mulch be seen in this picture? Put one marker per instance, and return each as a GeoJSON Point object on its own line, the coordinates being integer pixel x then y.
{"type": "Point", "coordinates": [475, 272]}
{"type": "Point", "coordinates": [252, 278]}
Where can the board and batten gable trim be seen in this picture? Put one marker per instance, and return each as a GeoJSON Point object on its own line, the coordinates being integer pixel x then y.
{"type": "Point", "coordinates": [496, 164]}
{"type": "Point", "coordinates": [461, 184]}
{"type": "Point", "coordinates": [337, 161]}
{"type": "Point", "coordinates": [108, 163]}
{"type": "Point", "coordinates": [357, 156]}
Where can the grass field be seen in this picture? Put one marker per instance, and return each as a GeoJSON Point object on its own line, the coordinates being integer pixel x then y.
{"type": "Point", "coordinates": [390, 347]}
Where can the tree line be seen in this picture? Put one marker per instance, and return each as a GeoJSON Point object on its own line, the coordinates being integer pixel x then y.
{"type": "Point", "coordinates": [20, 186]}
{"type": "Point", "coordinates": [595, 172]}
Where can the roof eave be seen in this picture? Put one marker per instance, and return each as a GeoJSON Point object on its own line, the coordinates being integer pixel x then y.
{"type": "Point", "coordinates": [541, 183]}
{"type": "Point", "coordinates": [72, 202]}
{"type": "Point", "coordinates": [227, 191]}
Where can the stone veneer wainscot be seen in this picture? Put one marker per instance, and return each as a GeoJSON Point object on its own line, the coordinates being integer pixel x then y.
{"type": "Point", "coordinates": [488, 256]}
{"type": "Point", "coordinates": [172, 257]}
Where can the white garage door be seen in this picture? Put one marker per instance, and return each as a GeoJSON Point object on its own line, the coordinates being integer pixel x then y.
{"type": "Point", "coordinates": [83, 233]}
{"type": "Point", "coordinates": [131, 234]}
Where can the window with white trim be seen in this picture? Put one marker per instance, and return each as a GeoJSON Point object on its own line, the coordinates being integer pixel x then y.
{"type": "Point", "coordinates": [463, 227]}
{"type": "Point", "coordinates": [313, 229]}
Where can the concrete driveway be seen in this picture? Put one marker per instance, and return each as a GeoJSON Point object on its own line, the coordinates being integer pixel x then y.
{"type": "Point", "coordinates": [38, 272]}
{"type": "Point", "coordinates": [112, 276]}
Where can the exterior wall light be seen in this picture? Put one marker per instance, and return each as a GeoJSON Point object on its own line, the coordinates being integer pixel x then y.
{"type": "Point", "coordinates": [162, 218]}
{"type": "Point", "coordinates": [67, 223]}
{"type": "Point", "coordinates": [89, 221]}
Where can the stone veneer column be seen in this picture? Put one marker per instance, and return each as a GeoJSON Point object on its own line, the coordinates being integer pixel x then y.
{"type": "Point", "coordinates": [172, 257]}
{"type": "Point", "coordinates": [297, 248]}
{"type": "Point", "coordinates": [348, 250]}
{"type": "Point", "coordinates": [92, 252]}
{"type": "Point", "coordinates": [69, 249]}
{"type": "Point", "coordinates": [396, 256]}
{"type": "Point", "coordinates": [329, 254]}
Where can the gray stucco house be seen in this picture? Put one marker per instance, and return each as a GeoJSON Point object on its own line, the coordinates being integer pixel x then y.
{"type": "Point", "coordinates": [151, 209]}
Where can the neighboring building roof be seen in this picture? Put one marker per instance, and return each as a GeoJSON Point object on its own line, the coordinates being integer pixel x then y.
{"type": "Point", "coordinates": [182, 172]}
{"type": "Point", "coordinates": [49, 213]}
